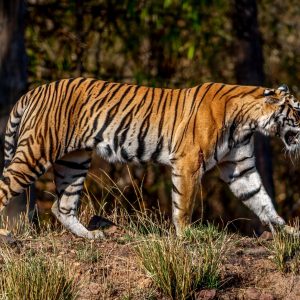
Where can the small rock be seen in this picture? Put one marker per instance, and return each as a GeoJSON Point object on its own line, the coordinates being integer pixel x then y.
{"type": "Point", "coordinates": [111, 230]}
{"type": "Point", "coordinates": [251, 294]}
{"type": "Point", "coordinates": [94, 288]}
{"type": "Point", "coordinates": [7, 238]}
{"type": "Point", "coordinates": [206, 294]}
{"type": "Point", "coordinates": [145, 283]}
{"type": "Point", "coordinates": [266, 296]}
{"type": "Point", "coordinates": [255, 251]}
{"type": "Point", "coordinates": [76, 264]}
{"type": "Point", "coordinates": [266, 235]}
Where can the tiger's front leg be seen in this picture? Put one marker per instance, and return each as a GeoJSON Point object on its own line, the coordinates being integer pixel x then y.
{"type": "Point", "coordinates": [239, 172]}
{"type": "Point", "coordinates": [185, 182]}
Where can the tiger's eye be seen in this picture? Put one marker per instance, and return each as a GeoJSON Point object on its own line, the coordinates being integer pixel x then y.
{"type": "Point", "coordinates": [268, 92]}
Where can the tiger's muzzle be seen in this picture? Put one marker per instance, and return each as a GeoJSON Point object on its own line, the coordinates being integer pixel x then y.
{"type": "Point", "coordinates": [291, 138]}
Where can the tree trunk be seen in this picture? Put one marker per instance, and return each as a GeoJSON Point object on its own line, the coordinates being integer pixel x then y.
{"type": "Point", "coordinates": [249, 70]}
{"type": "Point", "coordinates": [13, 76]}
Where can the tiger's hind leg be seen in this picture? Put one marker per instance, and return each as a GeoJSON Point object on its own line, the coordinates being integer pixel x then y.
{"type": "Point", "coordinates": [19, 174]}
{"type": "Point", "coordinates": [70, 172]}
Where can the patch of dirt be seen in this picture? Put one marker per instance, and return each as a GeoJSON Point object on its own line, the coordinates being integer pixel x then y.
{"type": "Point", "coordinates": [109, 269]}
{"type": "Point", "coordinates": [249, 273]}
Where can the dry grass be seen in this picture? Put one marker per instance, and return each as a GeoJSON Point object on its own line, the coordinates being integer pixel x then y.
{"type": "Point", "coordinates": [35, 277]}
{"type": "Point", "coordinates": [182, 266]}
{"type": "Point", "coordinates": [88, 252]}
{"type": "Point", "coordinates": [285, 250]}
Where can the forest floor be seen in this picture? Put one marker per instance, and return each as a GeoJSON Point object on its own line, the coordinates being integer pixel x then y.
{"type": "Point", "coordinates": [111, 269]}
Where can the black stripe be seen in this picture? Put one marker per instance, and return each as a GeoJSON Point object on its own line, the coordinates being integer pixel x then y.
{"type": "Point", "coordinates": [198, 106]}
{"type": "Point", "coordinates": [230, 90]}
{"type": "Point", "coordinates": [250, 92]}
{"type": "Point", "coordinates": [69, 194]}
{"type": "Point", "coordinates": [240, 160]}
{"type": "Point", "coordinates": [66, 211]}
{"type": "Point", "coordinates": [218, 91]}
{"type": "Point", "coordinates": [162, 92]}
{"type": "Point", "coordinates": [132, 98]}
{"type": "Point", "coordinates": [175, 190]}
{"type": "Point", "coordinates": [102, 88]}
{"type": "Point", "coordinates": [100, 102]}
{"type": "Point", "coordinates": [175, 118]}
{"type": "Point", "coordinates": [176, 205]}
{"type": "Point", "coordinates": [216, 149]}
{"type": "Point", "coordinates": [248, 195]}
{"type": "Point", "coordinates": [160, 126]}
{"type": "Point", "coordinates": [108, 150]}
{"type": "Point", "coordinates": [158, 149]}
{"type": "Point", "coordinates": [125, 123]}
{"type": "Point", "coordinates": [120, 85]}
{"type": "Point", "coordinates": [142, 134]}
{"type": "Point", "coordinates": [109, 118]}
{"type": "Point", "coordinates": [90, 85]}
{"type": "Point", "coordinates": [125, 155]}
{"type": "Point", "coordinates": [176, 175]}
{"type": "Point", "coordinates": [144, 99]}
{"type": "Point", "coordinates": [235, 176]}
{"type": "Point", "coordinates": [194, 98]}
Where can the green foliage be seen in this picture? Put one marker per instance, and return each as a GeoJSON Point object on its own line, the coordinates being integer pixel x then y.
{"type": "Point", "coordinates": [148, 42]}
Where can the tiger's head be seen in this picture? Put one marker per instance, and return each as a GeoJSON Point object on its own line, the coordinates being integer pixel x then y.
{"type": "Point", "coordinates": [283, 117]}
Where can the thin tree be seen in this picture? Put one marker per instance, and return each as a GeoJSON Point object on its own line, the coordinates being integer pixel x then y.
{"type": "Point", "coordinates": [13, 74]}
{"type": "Point", "coordinates": [249, 71]}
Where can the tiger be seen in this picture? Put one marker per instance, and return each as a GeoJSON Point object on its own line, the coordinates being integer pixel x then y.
{"type": "Point", "coordinates": [191, 130]}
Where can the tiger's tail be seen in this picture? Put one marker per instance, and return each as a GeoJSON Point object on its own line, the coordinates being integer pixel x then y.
{"type": "Point", "coordinates": [12, 129]}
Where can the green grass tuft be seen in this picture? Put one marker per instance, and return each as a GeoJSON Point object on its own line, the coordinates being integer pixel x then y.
{"type": "Point", "coordinates": [181, 266]}
{"type": "Point", "coordinates": [285, 250]}
{"type": "Point", "coordinates": [35, 278]}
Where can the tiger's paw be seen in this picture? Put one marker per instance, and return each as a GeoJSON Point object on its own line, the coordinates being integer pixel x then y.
{"type": "Point", "coordinates": [95, 235]}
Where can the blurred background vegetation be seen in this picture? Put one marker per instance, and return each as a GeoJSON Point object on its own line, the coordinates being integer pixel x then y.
{"type": "Point", "coordinates": [167, 43]}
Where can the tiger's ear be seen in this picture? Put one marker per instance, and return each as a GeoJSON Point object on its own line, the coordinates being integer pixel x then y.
{"type": "Point", "coordinates": [283, 88]}
{"type": "Point", "coordinates": [271, 97]}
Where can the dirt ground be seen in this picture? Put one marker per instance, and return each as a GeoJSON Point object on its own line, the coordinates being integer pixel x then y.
{"type": "Point", "coordinates": [109, 269]}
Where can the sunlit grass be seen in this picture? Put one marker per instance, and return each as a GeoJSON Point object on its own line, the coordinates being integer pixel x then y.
{"type": "Point", "coordinates": [181, 266]}
{"type": "Point", "coordinates": [87, 252]}
{"type": "Point", "coordinates": [285, 250]}
{"type": "Point", "coordinates": [35, 277]}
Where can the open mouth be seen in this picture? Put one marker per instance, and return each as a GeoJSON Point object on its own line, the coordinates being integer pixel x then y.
{"type": "Point", "coordinates": [290, 137]}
